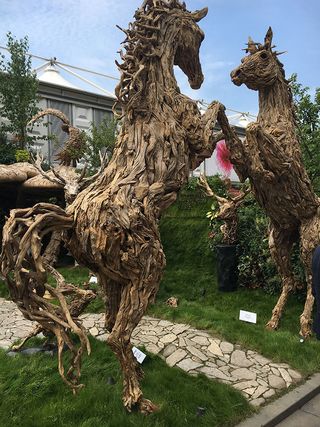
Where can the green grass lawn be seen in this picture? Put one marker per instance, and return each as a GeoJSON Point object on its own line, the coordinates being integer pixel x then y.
{"type": "Point", "coordinates": [33, 395]}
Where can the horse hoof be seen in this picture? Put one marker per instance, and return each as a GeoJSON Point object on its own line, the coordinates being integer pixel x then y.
{"type": "Point", "coordinates": [146, 407]}
{"type": "Point", "coordinates": [272, 325]}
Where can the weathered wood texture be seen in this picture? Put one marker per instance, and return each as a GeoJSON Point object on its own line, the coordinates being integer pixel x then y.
{"type": "Point", "coordinates": [74, 147]}
{"type": "Point", "coordinates": [112, 226]}
{"type": "Point", "coordinates": [228, 210]}
{"type": "Point", "coordinates": [270, 157]}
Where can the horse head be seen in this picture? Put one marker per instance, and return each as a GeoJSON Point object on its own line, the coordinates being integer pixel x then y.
{"type": "Point", "coordinates": [261, 68]}
{"type": "Point", "coordinates": [188, 42]}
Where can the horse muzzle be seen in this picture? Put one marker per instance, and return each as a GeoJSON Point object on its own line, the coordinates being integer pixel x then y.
{"type": "Point", "coordinates": [196, 82]}
{"type": "Point", "coordinates": [236, 76]}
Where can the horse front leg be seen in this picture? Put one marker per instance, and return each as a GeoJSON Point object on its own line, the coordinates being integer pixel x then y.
{"type": "Point", "coordinates": [280, 244]}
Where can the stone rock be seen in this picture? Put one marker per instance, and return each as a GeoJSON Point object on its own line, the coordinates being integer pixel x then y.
{"type": "Point", "coordinates": [200, 340]}
{"type": "Point", "coordinates": [259, 391]}
{"type": "Point", "coordinates": [214, 348]}
{"type": "Point", "coordinates": [175, 357]}
{"type": "Point", "coordinates": [152, 348]}
{"type": "Point", "coordinates": [285, 376]}
{"type": "Point", "coordinates": [250, 391]}
{"type": "Point", "coordinates": [269, 393]}
{"type": "Point", "coordinates": [169, 350]}
{"type": "Point", "coordinates": [214, 373]}
{"type": "Point", "coordinates": [94, 331]}
{"type": "Point", "coordinates": [153, 339]}
{"type": "Point", "coordinates": [276, 382]}
{"type": "Point", "coordinates": [279, 365]}
{"type": "Point", "coordinates": [239, 358]}
{"type": "Point", "coordinates": [262, 382]}
{"type": "Point", "coordinates": [243, 374]}
{"type": "Point", "coordinates": [178, 329]}
{"type": "Point", "coordinates": [197, 353]}
{"type": "Point", "coordinates": [261, 360]}
{"type": "Point", "coordinates": [167, 339]}
{"type": "Point", "coordinates": [246, 384]}
{"type": "Point", "coordinates": [188, 365]}
{"type": "Point", "coordinates": [165, 323]}
{"type": "Point", "coordinates": [226, 347]}
{"type": "Point", "coordinates": [182, 342]}
{"type": "Point", "coordinates": [295, 375]}
{"type": "Point", "coordinates": [88, 323]}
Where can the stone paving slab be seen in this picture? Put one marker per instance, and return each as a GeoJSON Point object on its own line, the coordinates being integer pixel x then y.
{"type": "Point", "coordinates": [292, 409]}
{"type": "Point", "coordinates": [192, 350]}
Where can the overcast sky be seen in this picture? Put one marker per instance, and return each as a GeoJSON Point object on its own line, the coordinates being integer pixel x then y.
{"type": "Point", "coordinates": [83, 33]}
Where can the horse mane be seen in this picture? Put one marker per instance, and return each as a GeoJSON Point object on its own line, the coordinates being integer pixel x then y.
{"type": "Point", "coordinates": [141, 44]}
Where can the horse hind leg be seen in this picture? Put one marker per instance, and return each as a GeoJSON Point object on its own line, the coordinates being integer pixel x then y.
{"type": "Point", "coordinates": [280, 244]}
{"type": "Point", "coordinates": [112, 292]}
{"type": "Point", "coordinates": [135, 298]}
{"type": "Point", "coordinates": [310, 238]}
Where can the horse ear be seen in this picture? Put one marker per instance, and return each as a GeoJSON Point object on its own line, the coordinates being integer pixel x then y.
{"type": "Point", "coordinates": [268, 39]}
{"type": "Point", "coordinates": [199, 14]}
{"type": "Point", "coordinates": [252, 48]}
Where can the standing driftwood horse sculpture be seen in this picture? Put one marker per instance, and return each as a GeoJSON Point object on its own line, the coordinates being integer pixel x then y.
{"type": "Point", "coordinates": [112, 226]}
{"type": "Point", "coordinates": [270, 157]}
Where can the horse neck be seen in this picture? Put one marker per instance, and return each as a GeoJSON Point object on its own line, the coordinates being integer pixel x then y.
{"type": "Point", "coordinates": [158, 101]}
{"type": "Point", "coordinates": [161, 82]}
{"type": "Point", "coordinates": [275, 106]}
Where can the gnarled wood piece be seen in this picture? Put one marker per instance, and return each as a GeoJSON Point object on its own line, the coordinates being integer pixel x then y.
{"type": "Point", "coordinates": [112, 226]}
{"type": "Point", "coordinates": [228, 210]}
{"type": "Point", "coordinates": [271, 158]}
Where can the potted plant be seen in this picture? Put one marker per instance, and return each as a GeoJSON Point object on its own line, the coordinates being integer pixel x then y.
{"type": "Point", "coordinates": [225, 210]}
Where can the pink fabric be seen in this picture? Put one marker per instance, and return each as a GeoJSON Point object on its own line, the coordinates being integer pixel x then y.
{"type": "Point", "coordinates": [223, 158]}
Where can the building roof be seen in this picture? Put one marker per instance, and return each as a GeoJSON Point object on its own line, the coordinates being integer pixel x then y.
{"type": "Point", "coordinates": [51, 74]}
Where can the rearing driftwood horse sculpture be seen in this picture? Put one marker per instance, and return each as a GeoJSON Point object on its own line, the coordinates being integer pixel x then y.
{"type": "Point", "coordinates": [270, 157]}
{"type": "Point", "coordinates": [112, 226]}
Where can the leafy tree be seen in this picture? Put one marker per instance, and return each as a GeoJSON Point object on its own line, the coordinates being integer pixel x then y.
{"type": "Point", "coordinates": [308, 121]}
{"type": "Point", "coordinates": [18, 90]}
{"type": "Point", "coordinates": [102, 137]}
{"type": "Point", "coordinates": [7, 150]}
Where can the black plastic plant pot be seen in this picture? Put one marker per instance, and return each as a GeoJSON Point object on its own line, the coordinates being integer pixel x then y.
{"type": "Point", "coordinates": [227, 268]}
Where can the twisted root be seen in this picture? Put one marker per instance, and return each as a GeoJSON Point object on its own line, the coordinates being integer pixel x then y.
{"type": "Point", "coordinates": [26, 272]}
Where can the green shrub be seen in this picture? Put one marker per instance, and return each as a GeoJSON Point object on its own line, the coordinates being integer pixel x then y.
{"type": "Point", "coordinates": [256, 267]}
{"type": "Point", "coordinates": [22, 156]}
{"type": "Point", "coordinates": [102, 138]}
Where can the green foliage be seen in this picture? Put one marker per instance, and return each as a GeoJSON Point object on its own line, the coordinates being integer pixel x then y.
{"type": "Point", "coordinates": [34, 395]}
{"type": "Point", "coordinates": [22, 155]}
{"type": "Point", "coordinates": [256, 267]}
{"type": "Point", "coordinates": [7, 150]}
{"type": "Point", "coordinates": [308, 121]}
{"type": "Point", "coordinates": [102, 138]}
{"type": "Point", "coordinates": [18, 89]}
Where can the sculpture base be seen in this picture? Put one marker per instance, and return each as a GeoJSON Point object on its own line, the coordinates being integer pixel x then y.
{"type": "Point", "coordinates": [227, 268]}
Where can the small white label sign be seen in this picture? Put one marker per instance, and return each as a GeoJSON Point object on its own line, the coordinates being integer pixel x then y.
{"type": "Point", "coordinates": [93, 279]}
{"type": "Point", "coordinates": [247, 316]}
{"type": "Point", "coordinates": [138, 354]}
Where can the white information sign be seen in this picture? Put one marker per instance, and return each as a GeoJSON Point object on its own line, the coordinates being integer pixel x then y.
{"type": "Point", "coordinates": [93, 279]}
{"type": "Point", "coordinates": [247, 316]}
{"type": "Point", "coordinates": [138, 354]}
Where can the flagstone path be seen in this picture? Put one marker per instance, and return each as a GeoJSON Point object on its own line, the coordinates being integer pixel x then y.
{"type": "Point", "coordinates": [180, 345]}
